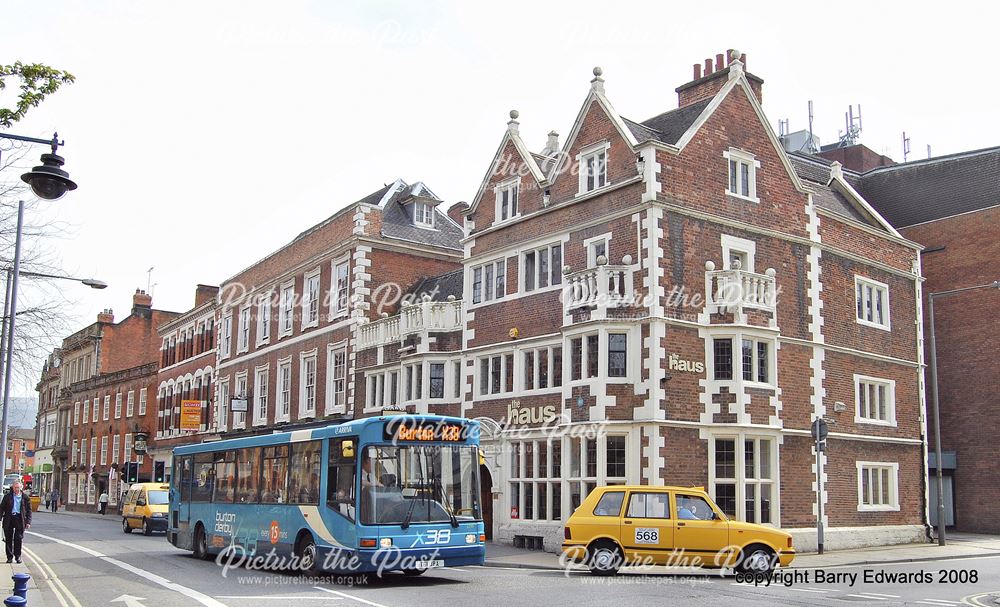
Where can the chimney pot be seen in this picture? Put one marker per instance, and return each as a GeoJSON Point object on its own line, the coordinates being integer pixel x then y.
{"type": "Point", "coordinates": [697, 71]}
{"type": "Point", "coordinates": [708, 67]}
{"type": "Point", "coordinates": [718, 61]}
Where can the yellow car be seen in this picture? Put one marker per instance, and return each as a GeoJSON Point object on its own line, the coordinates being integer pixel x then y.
{"type": "Point", "coordinates": [145, 507]}
{"type": "Point", "coordinates": [633, 525]}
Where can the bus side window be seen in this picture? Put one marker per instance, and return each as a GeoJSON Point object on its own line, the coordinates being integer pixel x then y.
{"type": "Point", "coordinates": [340, 482]}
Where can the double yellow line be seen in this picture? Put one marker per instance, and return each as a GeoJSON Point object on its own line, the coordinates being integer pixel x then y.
{"type": "Point", "coordinates": [65, 597]}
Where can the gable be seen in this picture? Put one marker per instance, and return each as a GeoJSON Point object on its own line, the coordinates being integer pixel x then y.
{"type": "Point", "coordinates": [512, 161]}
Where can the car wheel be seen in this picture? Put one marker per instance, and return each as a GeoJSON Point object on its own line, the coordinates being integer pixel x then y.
{"type": "Point", "coordinates": [604, 559]}
{"type": "Point", "coordinates": [200, 543]}
{"type": "Point", "coordinates": [414, 572]}
{"type": "Point", "coordinates": [146, 529]}
{"type": "Point", "coordinates": [125, 526]}
{"type": "Point", "coordinates": [306, 551]}
{"type": "Point", "coordinates": [757, 559]}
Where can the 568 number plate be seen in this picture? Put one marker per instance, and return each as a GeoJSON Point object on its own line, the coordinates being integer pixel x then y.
{"type": "Point", "coordinates": [647, 535]}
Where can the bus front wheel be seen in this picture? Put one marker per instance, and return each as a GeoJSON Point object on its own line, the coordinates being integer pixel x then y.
{"type": "Point", "coordinates": [200, 543]}
{"type": "Point", "coordinates": [306, 551]}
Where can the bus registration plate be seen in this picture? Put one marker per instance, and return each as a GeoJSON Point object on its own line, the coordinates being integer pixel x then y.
{"type": "Point", "coordinates": [429, 564]}
{"type": "Point", "coordinates": [647, 535]}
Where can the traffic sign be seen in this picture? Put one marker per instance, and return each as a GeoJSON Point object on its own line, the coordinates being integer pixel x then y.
{"type": "Point", "coordinates": [819, 429]}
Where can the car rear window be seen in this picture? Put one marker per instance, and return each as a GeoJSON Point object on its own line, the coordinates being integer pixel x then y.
{"type": "Point", "coordinates": [610, 504]}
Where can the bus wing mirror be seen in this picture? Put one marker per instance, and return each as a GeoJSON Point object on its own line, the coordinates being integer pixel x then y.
{"type": "Point", "coordinates": [482, 457]}
{"type": "Point", "coordinates": [347, 449]}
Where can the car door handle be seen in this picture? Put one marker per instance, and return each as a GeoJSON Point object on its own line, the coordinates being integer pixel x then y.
{"type": "Point", "coordinates": [628, 522]}
{"type": "Point", "coordinates": [681, 524]}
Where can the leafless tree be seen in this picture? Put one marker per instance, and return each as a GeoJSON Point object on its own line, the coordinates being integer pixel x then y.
{"type": "Point", "coordinates": [43, 308]}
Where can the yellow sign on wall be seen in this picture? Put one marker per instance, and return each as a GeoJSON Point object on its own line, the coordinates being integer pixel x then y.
{"type": "Point", "coordinates": [191, 415]}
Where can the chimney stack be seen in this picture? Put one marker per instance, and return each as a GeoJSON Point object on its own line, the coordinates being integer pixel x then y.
{"type": "Point", "coordinates": [142, 304]}
{"type": "Point", "coordinates": [551, 145]}
{"type": "Point", "coordinates": [457, 212]}
{"type": "Point", "coordinates": [204, 293]}
{"type": "Point", "coordinates": [717, 72]}
{"type": "Point", "coordinates": [106, 316]}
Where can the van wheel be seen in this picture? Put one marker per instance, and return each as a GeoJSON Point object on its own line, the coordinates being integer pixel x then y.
{"type": "Point", "coordinates": [305, 549]}
{"type": "Point", "coordinates": [757, 559]}
{"type": "Point", "coordinates": [200, 543]}
{"type": "Point", "coordinates": [414, 572]}
{"type": "Point", "coordinates": [146, 529]}
{"type": "Point", "coordinates": [604, 558]}
{"type": "Point", "coordinates": [125, 527]}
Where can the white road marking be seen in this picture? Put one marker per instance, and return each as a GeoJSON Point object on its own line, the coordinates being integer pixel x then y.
{"type": "Point", "coordinates": [944, 602]}
{"type": "Point", "coordinates": [280, 598]}
{"type": "Point", "coordinates": [865, 596]}
{"type": "Point", "coordinates": [456, 569]}
{"type": "Point", "coordinates": [807, 590]}
{"type": "Point", "coordinates": [204, 599]}
{"type": "Point", "coordinates": [937, 602]}
{"type": "Point", "coordinates": [888, 596]}
{"type": "Point", "coordinates": [347, 596]}
{"type": "Point", "coordinates": [59, 589]}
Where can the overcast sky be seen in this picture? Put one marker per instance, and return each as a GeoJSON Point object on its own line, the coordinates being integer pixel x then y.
{"type": "Point", "coordinates": [205, 134]}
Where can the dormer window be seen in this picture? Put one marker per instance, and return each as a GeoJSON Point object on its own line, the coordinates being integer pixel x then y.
{"type": "Point", "coordinates": [742, 174]}
{"type": "Point", "coordinates": [593, 167]}
{"type": "Point", "coordinates": [507, 200]}
{"type": "Point", "coordinates": [423, 214]}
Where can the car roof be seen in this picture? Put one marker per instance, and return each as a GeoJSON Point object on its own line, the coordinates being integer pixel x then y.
{"type": "Point", "coordinates": [698, 489]}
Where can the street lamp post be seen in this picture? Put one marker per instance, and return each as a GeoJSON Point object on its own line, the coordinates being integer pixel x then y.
{"type": "Point", "coordinates": [934, 402]}
{"type": "Point", "coordinates": [49, 182]}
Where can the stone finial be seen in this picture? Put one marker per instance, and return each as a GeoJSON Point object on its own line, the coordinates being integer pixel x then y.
{"type": "Point", "coordinates": [514, 114]}
{"type": "Point", "coordinates": [735, 55]}
{"type": "Point", "coordinates": [626, 260]}
{"type": "Point", "coordinates": [737, 264]}
{"type": "Point", "coordinates": [836, 170]}
{"type": "Point", "coordinates": [770, 272]}
{"type": "Point", "coordinates": [709, 266]}
{"type": "Point", "coordinates": [513, 123]}
{"type": "Point", "coordinates": [602, 260]}
{"type": "Point", "coordinates": [567, 269]}
{"type": "Point", "coordinates": [451, 298]}
{"type": "Point", "coordinates": [597, 83]}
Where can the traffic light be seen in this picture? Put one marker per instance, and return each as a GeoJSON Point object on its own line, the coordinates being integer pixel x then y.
{"type": "Point", "coordinates": [132, 472]}
{"type": "Point", "coordinates": [158, 472]}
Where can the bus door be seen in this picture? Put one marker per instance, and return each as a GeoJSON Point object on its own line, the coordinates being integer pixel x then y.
{"type": "Point", "coordinates": [184, 477]}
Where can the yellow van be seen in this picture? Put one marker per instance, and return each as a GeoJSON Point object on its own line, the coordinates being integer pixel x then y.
{"type": "Point", "coordinates": [145, 507]}
{"type": "Point", "coordinates": [630, 525]}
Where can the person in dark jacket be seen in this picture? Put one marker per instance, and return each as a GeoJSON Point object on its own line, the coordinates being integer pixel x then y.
{"type": "Point", "coordinates": [15, 514]}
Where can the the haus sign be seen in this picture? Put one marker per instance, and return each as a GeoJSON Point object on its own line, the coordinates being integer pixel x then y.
{"type": "Point", "coordinates": [676, 363]}
{"type": "Point", "coordinates": [541, 414]}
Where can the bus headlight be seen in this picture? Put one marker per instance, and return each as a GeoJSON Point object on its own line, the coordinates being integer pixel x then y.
{"type": "Point", "coordinates": [470, 539]}
{"type": "Point", "coordinates": [385, 542]}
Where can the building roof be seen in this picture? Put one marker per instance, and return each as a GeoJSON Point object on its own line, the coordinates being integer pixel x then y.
{"type": "Point", "coordinates": [815, 174]}
{"type": "Point", "coordinates": [925, 190]}
{"type": "Point", "coordinates": [398, 224]}
{"type": "Point", "coordinates": [439, 287]}
{"type": "Point", "coordinates": [21, 433]}
{"type": "Point", "coordinates": [668, 127]}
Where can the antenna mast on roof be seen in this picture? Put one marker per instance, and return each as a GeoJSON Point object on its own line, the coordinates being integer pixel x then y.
{"type": "Point", "coordinates": [852, 127]}
{"type": "Point", "coordinates": [928, 150]}
{"type": "Point", "coordinates": [782, 127]}
{"type": "Point", "coordinates": [906, 146]}
{"type": "Point", "coordinates": [811, 127]}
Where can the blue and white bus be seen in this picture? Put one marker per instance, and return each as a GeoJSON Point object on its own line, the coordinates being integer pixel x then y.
{"type": "Point", "coordinates": [393, 493]}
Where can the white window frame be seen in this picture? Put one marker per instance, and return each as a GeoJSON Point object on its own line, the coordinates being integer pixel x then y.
{"type": "Point", "coordinates": [305, 410]}
{"type": "Point", "coordinates": [76, 413]}
{"type": "Point", "coordinates": [310, 300]}
{"type": "Point", "coordinates": [143, 399]}
{"type": "Point", "coordinates": [226, 337]}
{"type": "Point", "coordinates": [550, 365]}
{"type": "Point", "coordinates": [336, 389]}
{"type": "Point", "coordinates": [73, 453]}
{"type": "Point", "coordinates": [283, 390]}
{"type": "Point", "coordinates": [261, 385]}
{"type": "Point", "coordinates": [876, 286]}
{"type": "Point", "coordinates": [741, 158]}
{"type": "Point", "coordinates": [512, 187]}
{"type": "Point", "coordinates": [592, 255]}
{"type": "Point", "coordinates": [423, 215]}
{"type": "Point", "coordinates": [340, 306]}
{"type": "Point", "coordinates": [755, 365]}
{"type": "Point", "coordinates": [118, 405]}
{"type": "Point", "coordinates": [116, 446]}
{"type": "Point", "coordinates": [741, 480]}
{"type": "Point", "coordinates": [106, 409]}
{"type": "Point", "coordinates": [445, 376]}
{"type": "Point", "coordinates": [104, 450]}
{"type": "Point", "coordinates": [732, 244]}
{"type": "Point", "coordinates": [243, 329]}
{"type": "Point", "coordinates": [554, 274]}
{"type": "Point", "coordinates": [893, 490]}
{"type": "Point", "coordinates": [286, 309]}
{"type": "Point", "coordinates": [632, 362]}
{"type": "Point", "coordinates": [495, 263]}
{"type": "Point", "coordinates": [241, 422]}
{"type": "Point", "coordinates": [222, 406]}
{"type": "Point", "coordinates": [863, 395]}
{"type": "Point", "coordinates": [593, 151]}
{"type": "Point", "coordinates": [264, 318]}
{"type": "Point", "coordinates": [130, 404]}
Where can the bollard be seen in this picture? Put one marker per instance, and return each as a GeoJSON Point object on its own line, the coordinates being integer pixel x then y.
{"type": "Point", "coordinates": [15, 601]}
{"type": "Point", "coordinates": [21, 584]}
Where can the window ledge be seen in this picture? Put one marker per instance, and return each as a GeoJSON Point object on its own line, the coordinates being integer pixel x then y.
{"type": "Point", "coordinates": [874, 325]}
{"type": "Point", "coordinates": [309, 325]}
{"type": "Point", "coordinates": [874, 422]}
{"type": "Point", "coordinates": [595, 191]}
{"type": "Point", "coordinates": [500, 222]}
{"type": "Point", "coordinates": [754, 200]}
{"type": "Point", "coordinates": [889, 508]}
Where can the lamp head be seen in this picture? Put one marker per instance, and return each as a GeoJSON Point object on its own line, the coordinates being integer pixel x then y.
{"type": "Point", "coordinates": [93, 283]}
{"type": "Point", "coordinates": [49, 181]}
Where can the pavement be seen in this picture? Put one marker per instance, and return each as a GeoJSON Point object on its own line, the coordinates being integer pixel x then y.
{"type": "Point", "coordinates": [959, 545]}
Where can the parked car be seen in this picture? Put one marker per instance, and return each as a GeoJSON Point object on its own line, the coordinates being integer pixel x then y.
{"type": "Point", "coordinates": [619, 525]}
{"type": "Point", "coordinates": [145, 507]}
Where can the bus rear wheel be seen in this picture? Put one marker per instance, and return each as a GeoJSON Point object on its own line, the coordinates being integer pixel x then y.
{"type": "Point", "coordinates": [306, 551]}
{"type": "Point", "coordinates": [200, 543]}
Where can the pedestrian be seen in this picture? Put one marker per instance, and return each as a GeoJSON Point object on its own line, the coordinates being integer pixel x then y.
{"type": "Point", "coordinates": [15, 513]}
{"type": "Point", "coordinates": [55, 500]}
{"type": "Point", "coordinates": [103, 500]}
{"type": "Point", "coordinates": [48, 498]}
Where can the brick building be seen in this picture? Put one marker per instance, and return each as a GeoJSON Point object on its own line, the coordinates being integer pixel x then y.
{"type": "Point", "coordinates": [186, 373]}
{"type": "Point", "coordinates": [109, 376]}
{"type": "Point", "coordinates": [51, 429]}
{"type": "Point", "coordinates": [287, 326]}
{"type": "Point", "coordinates": [951, 206]}
{"type": "Point", "coordinates": [675, 301]}
{"type": "Point", "coordinates": [20, 451]}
